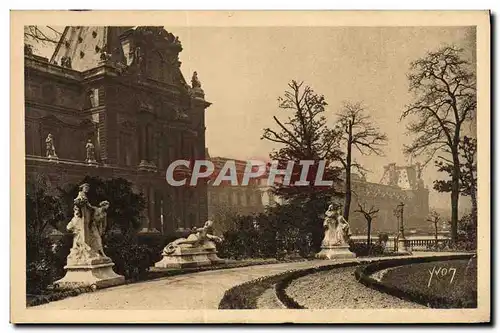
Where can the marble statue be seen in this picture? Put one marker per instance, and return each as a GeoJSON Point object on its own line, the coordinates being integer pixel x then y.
{"type": "Point", "coordinates": [337, 235]}
{"type": "Point", "coordinates": [87, 225]}
{"type": "Point", "coordinates": [87, 264]}
{"type": "Point", "coordinates": [97, 228]}
{"type": "Point", "coordinates": [198, 249]}
{"type": "Point", "coordinates": [90, 152]}
{"type": "Point", "coordinates": [50, 147]}
{"type": "Point", "coordinates": [199, 238]}
{"type": "Point", "coordinates": [337, 230]}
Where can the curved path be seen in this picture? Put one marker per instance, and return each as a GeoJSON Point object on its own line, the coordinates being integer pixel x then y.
{"type": "Point", "coordinates": [202, 290]}
{"type": "Point", "coordinates": [316, 291]}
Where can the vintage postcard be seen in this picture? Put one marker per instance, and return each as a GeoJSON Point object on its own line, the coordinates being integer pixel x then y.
{"type": "Point", "coordinates": [250, 167]}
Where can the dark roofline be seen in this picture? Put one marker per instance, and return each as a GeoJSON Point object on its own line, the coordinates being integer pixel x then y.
{"type": "Point", "coordinates": [66, 29]}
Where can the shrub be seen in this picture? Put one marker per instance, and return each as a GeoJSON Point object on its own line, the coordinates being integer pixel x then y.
{"type": "Point", "coordinates": [467, 233]}
{"type": "Point", "coordinates": [383, 238]}
{"type": "Point", "coordinates": [131, 259]}
{"type": "Point", "coordinates": [39, 274]}
{"type": "Point", "coordinates": [42, 210]}
{"type": "Point", "coordinates": [125, 205]}
{"type": "Point", "coordinates": [279, 232]}
{"type": "Point", "coordinates": [363, 249]}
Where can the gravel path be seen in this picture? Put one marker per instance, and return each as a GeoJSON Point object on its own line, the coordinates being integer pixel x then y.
{"type": "Point", "coordinates": [202, 290]}
{"type": "Point", "coordinates": [338, 288]}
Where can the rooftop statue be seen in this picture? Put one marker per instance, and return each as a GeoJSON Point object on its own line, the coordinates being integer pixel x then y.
{"type": "Point", "coordinates": [195, 82]}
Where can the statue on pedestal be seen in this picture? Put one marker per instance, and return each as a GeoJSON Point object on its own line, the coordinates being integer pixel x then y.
{"type": "Point", "coordinates": [198, 249]}
{"type": "Point", "coordinates": [199, 238]}
{"type": "Point", "coordinates": [337, 235]}
{"type": "Point", "coordinates": [50, 147]}
{"type": "Point", "coordinates": [337, 230]}
{"type": "Point", "coordinates": [87, 264]}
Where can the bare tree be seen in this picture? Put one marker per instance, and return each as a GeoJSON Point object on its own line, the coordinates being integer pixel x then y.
{"type": "Point", "coordinates": [444, 98]}
{"type": "Point", "coordinates": [44, 34]}
{"type": "Point", "coordinates": [304, 135]}
{"type": "Point", "coordinates": [468, 173]}
{"type": "Point", "coordinates": [435, 219]}
{"type": "Point", "coordinates": [369, 215]}
{"type": "Point", "coordinates": [357, 130]}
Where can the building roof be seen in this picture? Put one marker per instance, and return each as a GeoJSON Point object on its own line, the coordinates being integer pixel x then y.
{"type": "Point", "coordinates": [406, 177]}
{"type": "Point", "coordinates": [85, 45]}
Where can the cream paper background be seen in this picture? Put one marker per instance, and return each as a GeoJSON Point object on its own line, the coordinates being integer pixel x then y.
{"type": "Point", "coordinates": [480, 19]}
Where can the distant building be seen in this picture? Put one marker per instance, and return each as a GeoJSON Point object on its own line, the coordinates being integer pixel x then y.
{"type": "Point", "coordinates": [226, 198]}
{"type": "Point", "coordinates": [398, 184]}
{"type": "Point", "coordinates": [249, 199]}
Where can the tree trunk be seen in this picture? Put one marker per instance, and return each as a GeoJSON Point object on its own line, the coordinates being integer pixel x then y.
{"type": "Point", "coordinates": [436, 233]}
{"type": "Point", "coordinates": [473, 198]}
{"type": "Point", "coordinates": [347, 202]}
{"type": "Point", "coordinates": [455, 193]}
{"type": "Point", "coordinates": [368, 240]}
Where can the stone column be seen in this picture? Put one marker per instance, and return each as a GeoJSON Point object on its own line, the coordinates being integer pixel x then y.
{"type": "Point", "coordinates": [151, 209]}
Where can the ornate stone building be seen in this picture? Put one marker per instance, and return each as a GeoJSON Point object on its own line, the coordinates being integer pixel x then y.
{"type": "Point", "coordinates": [398, 184]}
{"type": "Point", "coordinates": [122, 89]}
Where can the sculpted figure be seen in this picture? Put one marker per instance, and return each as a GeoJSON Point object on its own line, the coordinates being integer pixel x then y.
{"type": "Point", "coordinates": [81, 251]}
{"type": "Point", "coordinates": [195, 82]}
{"type": "Point", "coordinates": [199, 238]}
{"type": "Point", "coordinates": [90, 151]}
{"type": "Point", "coordinates": [66, 61]}
{"type": "Point", "coordinates": [50, 147]}
{"type": "Point", "coordinates": [76, 227]}
{"type": "Point", "coordinates": [337, 230]}
{"type": "Point", "coordinates": [97, 227]}
{"type": "Point", "coordinates": [87, 225]}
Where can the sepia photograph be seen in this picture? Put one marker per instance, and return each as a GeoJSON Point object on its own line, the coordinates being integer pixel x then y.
{"type": "Point", "coordinates": [250, 167]}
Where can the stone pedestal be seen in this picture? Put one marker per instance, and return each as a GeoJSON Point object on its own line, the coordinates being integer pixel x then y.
{"type": "Point", "coordinates": [335, 252]}
{"type": "Point", "coordinates": [92, 162]}
{"type": "Point", "coordinates": [98, 273]}
{"type": "Point", "coordinates": [402, 248]}
{"type": "Point", "coordinates": [147, 166]}
{"type": "Point", "coordinates": [186, 257]}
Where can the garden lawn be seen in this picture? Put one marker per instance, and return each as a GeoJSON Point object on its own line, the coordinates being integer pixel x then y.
{"type": "Point", "coordinates": [444, 284]}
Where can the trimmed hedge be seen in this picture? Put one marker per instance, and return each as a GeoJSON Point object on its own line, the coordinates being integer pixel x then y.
{"type": "Point", "coordinates": [34, 300]}
{"type": "Point", "coordinates": [245, 295]}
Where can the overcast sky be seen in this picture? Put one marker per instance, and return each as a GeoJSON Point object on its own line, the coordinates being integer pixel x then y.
{"type": "Point", "coordinates": [244, 70]}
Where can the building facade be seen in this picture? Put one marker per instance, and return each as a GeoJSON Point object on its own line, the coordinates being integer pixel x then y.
{"type": "Point", "coordinates": [229, 199]}
{"type": "Point", "coordinates": [398, 184]}
{"type": "Point", "coordinates": [122, 90]}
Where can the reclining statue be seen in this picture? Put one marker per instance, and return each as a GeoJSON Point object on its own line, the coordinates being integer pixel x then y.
{"type": "Point", "coordinates": [198, 249]}
{"type": "Point", "coordinates": [199, 238]}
